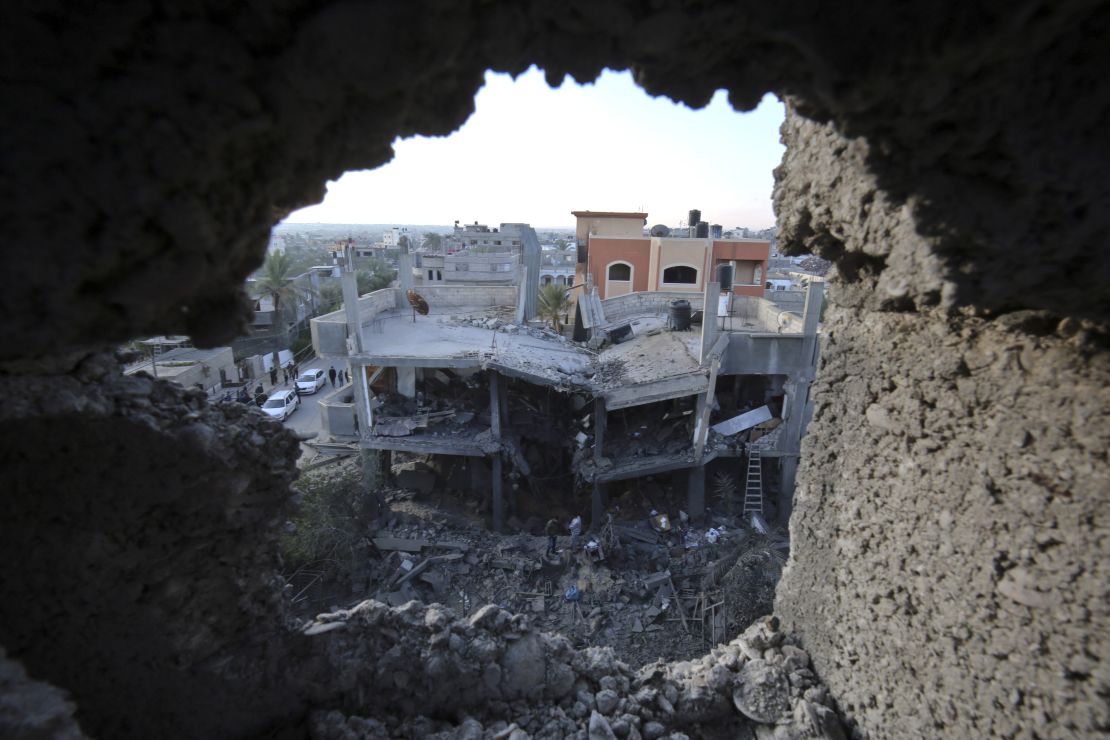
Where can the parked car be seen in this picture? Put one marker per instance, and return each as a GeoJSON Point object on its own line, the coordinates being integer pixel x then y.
{"type": "Point", "coordinates": [281, 404]}
{"type": "Point", "coordinates": [311, 381]}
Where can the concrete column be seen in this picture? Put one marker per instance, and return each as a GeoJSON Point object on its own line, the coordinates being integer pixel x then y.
{"type": "Point", "coordinates": [404, 269]}
{"type": "Point", "coordinates": [495, 404]}
{"type": "Point", "coordinates": [503, 401]}
{"type": "Point", "coordinates": [498, 499]}
{"type": "Point", "coordinates": [709, 330]}
{"type": "Point", "coordinates": [597, 506]}
{"type": "Point", "coordinates": [695, 493]}
{"type": "Point", "coordinates": [601, 418]}
{"type": "Point", "coordinates": [349, 285]}
{"type": "Point", "coordinates": [406, 381]}
{"type": "Point", "coordinates": [798, 402]}
{"type": "Point", "coordinates": [789, 468]}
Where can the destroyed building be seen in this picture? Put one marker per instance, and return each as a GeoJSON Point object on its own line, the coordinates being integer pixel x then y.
{"type": "Point", "coordinates": [947, 576]}
{"type": "Point", "coordinates": [650, 394]}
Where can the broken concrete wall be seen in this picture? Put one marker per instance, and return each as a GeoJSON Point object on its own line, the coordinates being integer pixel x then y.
{"type": "Point", "coordinates": [654, 303]}
{"type": "Point", "coordinates": [139, 542]}
{"type": "Point", "coordinates": [949, 563]}
{"type": "Point", "coordinates": [329, 332]}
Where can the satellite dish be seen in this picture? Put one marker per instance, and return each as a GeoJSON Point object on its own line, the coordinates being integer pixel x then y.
{"type": "Point", "coordinates": [419, 305]}
{"type": "Point", "coordinates": [660, 230]}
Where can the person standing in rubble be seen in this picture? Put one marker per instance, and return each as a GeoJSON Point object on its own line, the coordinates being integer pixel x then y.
{"type": "Point", "coordinates": [552, 532]}
{"type": "Point", "coordinates": [575, 528]}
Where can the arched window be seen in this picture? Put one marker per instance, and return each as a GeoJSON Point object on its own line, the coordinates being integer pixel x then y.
{"type": "Point", "coordinates": [680, 275]}
{"type": "Point", "coordinates": [547, 280]}
{"type": "Point", "coordinates": [620, 271]}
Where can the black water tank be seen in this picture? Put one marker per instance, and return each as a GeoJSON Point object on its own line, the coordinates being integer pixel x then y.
{"type": "Point", "coordinates": [679, 314]}
{"type": "Point", "coordinates": [716, 230]}
{"type": "Point", "coordinates": [694, 217]}
{"type": "Point", "coordinates": [724, 277]}
{"type": "Point", "coordinates": [703, 230]}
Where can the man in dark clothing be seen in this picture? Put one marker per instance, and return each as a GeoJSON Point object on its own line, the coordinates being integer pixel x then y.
{"type": "Point", "coordinates": [552, 532]}
{"type": "Point", "coordinates": [331, 376]}
{"type": "Point", "coordinates": [273, 376]}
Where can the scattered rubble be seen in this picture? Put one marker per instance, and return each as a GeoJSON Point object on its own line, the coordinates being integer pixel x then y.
{"type": "Point", "coordinates": [646, 591]}
{"type": "Point", "coordinates": [493, 675]}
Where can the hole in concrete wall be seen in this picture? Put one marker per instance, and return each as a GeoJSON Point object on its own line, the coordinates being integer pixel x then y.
{"type": "Point", "coordinates": [488, 418]}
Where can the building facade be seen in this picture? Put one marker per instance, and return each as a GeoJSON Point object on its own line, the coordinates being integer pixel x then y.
{"type": "Point", "coordinates": [619, 259]}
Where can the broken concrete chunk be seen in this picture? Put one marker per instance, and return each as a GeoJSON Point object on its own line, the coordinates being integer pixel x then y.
{"type": "Point", "coordinates": [762, 693]}
{"type": "Point", "coordinates": [399, 545]}
{"type": "Point", "coordinates": [318, 628]}
{"type": "Point", "coordinates": [600, 729]}
{"type": "Point", "coordinates": [818, 721]}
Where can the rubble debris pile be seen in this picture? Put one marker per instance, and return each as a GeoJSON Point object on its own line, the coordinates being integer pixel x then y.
{"type": "Point", "coordinates": [648, 591]}
{"type": "Point", "coordinates": [493, 675]}
{"type": "Point", "coordinates": [449, 404]}
{"type": "Point", "coordinates": [126, 549]}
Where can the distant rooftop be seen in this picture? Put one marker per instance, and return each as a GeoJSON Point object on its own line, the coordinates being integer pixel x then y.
{"type": "Point", "coordinates": [607, 214]}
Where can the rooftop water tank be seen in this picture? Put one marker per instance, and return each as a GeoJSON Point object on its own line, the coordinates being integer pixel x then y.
{"type": "Point", "coordinates": [679, 315]}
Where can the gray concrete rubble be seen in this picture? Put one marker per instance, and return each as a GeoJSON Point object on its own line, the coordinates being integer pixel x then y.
{"type": "Point", "coordinates": [646, 594]}
{"type": "Point", "coordinates": [503, 679]}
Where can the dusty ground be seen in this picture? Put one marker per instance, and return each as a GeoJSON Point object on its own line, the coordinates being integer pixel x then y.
{"type": "Point", "coordinates": [435, 548]}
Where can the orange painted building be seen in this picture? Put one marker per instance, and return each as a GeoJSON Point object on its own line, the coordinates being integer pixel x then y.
{"type": "Point", "coordinates": [619, 265]}
{"type": "Point", "coordinates": [619, 259]}
{"type": "Point", "coordinates": [749, 259]}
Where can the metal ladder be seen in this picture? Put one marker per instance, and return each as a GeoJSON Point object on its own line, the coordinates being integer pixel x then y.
{"type": "Point", "coordinates": [753, 489]}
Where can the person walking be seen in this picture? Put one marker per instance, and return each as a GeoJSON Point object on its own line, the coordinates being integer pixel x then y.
{"type": "Point", "coordinates": [331, 376]}
{"type": "Point", "coordinates": [552, 532]}
{"type": "Point", "coordinates": [273, 376]}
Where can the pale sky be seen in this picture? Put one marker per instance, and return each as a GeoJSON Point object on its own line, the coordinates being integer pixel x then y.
{"type": "Point", "coordinates": [533, 154]}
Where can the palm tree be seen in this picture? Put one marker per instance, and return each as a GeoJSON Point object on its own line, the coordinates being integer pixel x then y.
{"type": "Point", "coordinates": [432, 242]}
{"type": "Point", "coordinates": [277, 283]}
{"type": "Point", "coordinates": [553, 304]}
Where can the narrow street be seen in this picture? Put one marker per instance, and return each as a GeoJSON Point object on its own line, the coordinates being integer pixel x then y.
{"type": "Point", "coordinates": [307, 416]}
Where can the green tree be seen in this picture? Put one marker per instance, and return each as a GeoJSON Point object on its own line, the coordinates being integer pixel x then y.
{"type": "Point", "coordinates": [552, 304]}
{"type": "Point", "coordinates": [562, 244]}
{"type": "Point", "coordinates": [374, 276]}
{"type": "Point", "coordinates": [333, 518]}
{"type": "Point", "coordinates": [432, 241]}
{"type": "Point", "coordinates": [331, 297]}
{"type": "Point", "coordinates": [277, 282]}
